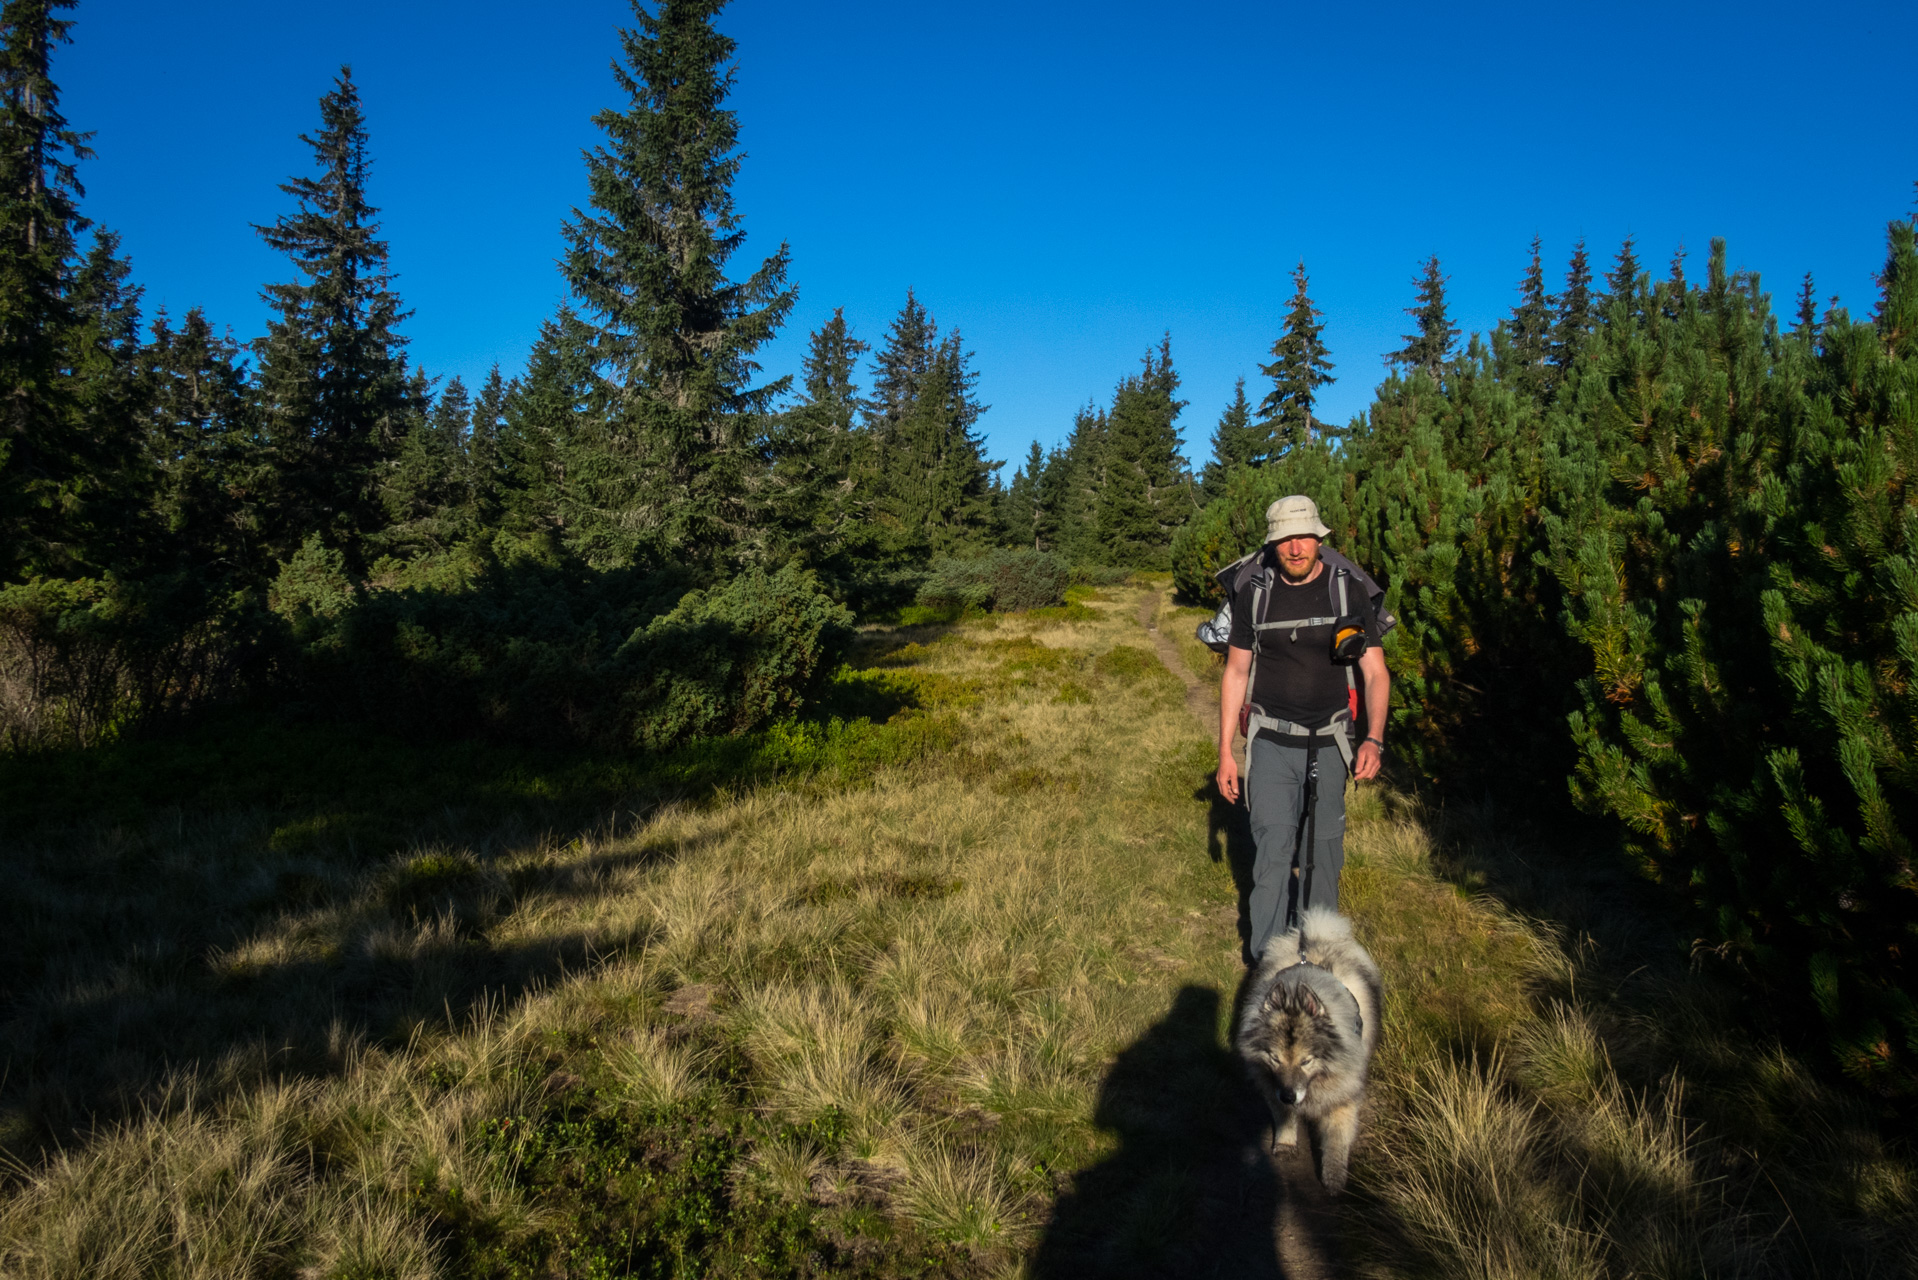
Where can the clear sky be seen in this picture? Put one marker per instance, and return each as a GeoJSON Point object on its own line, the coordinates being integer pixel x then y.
{"type": "Point", "coordinates": [1063, 181]}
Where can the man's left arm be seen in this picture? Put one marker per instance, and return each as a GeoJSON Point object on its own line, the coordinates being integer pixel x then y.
{"type": "Point", "coordinates": [1378, 698]}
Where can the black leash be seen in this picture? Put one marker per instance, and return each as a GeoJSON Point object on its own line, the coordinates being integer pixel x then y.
{"type": "Point", "coordinates": [1307, 837]}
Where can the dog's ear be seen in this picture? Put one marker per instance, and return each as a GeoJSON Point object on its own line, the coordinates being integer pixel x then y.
{"type": "Point", "coordinates": [1311, 1003]}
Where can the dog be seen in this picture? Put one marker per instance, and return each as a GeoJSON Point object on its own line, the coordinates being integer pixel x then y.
{"type": "Point", "coordinates": [1307, 1031]}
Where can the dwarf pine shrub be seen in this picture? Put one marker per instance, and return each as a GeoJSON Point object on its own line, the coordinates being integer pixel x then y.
{"type": "Point", "coordinates": [1003, 581]}
{"type": "Point", "coordinates": [559, 653]}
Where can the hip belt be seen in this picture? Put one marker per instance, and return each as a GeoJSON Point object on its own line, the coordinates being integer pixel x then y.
{"type": "Point", "coordinates": [1252, 719]}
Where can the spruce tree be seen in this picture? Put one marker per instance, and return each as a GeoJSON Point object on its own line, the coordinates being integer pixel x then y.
{"type": "Point", "coordinates": [1526, 349]}
{"type": "Point", "coordinates": [1805, 324]}
{"type": "Point", "coordinates": [901, 366]}
{"type": "Point", "coordinates": [482, 449]}
{"type": "Point", "coordinates": [426, 490]}
{"type": "Point", "coordinates": [214, 483]}
{"type": "Point", "coordinates": [335, 396]}
{"type": "Point", "coordinates": [1146, 494]}
{"type": "Point", "coordinates": [1298, 369]}
{"type": "Point", "coordinates": [1621, 285]}
{"type": "Point", "coordinates": [542, 416]}
{"type": "Point", "coordinates": [1236, 443]}
{"type": "Point", "coordinates": [105, 361]}
{"type": "Point", "coordinates": [1576, 310]}
{"type": "Point", "coordinates": [1674, 291]}
{"type": "Point", "coordinates": [47, 459]}
{"type": "Point", "coordinates": [664, 471]}
{"type": "Point", "coordinates": [934, 479]}
{"type": "Point", "coordinates": [1431, 346]}
{"type": "Point", "coordinates": [1020, 515]}
{"type": "Point", "coordinates": [1069, 491]}
{"type": "Point", "coordinates": [809, 499]}
{"type": "Point", "coordinates": [924, 475]}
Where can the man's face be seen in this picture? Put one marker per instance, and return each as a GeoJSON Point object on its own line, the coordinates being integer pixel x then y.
{"type": "Point", "coordinates": [1298, 555]}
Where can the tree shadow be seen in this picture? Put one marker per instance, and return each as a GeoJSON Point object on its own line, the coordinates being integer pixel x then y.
{"type": "Point", "coordinates": [228, 975]}
{"type": "Point", "coordinates": [1789, 1143]}
{"type": "Point", "coordinates": [1190, 1190]}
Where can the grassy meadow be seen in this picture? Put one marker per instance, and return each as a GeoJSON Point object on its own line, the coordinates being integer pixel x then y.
{"type": "Point", "coordinates": [936, 983]}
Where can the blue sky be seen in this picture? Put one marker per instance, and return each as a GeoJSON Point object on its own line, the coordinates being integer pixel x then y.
{"type": "Point", "coordinates": [1062, 181]}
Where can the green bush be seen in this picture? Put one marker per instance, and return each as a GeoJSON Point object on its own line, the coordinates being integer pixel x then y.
{"type": "Point", "coordinates": [539, 651]}
{"type": "Point", "coordinates": [84, 660]}
{"type": "Point", "coordinates": [1003, 581]}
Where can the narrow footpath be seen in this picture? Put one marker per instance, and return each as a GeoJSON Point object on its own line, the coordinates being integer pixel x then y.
{"type": "Point", "coordinates": [1304, 1223]}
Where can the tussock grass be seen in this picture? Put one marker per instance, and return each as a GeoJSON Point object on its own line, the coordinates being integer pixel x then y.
{"type": "Point", "coordinates": [954, 1005]}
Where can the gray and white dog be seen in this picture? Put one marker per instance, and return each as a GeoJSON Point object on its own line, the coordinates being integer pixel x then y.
{"type": "Point", "coordinates": [1307, 1032]}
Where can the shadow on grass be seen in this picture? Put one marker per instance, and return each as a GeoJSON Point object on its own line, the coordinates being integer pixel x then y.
{"type": "Point", "coordinates": [1189, 1192]}
{"type": "Point", "coordinates": [143, 875]}
{"type": "Point", "coordinates": [1823, 1176]}
{"type": "Point", "coordinates": [1229, 840]}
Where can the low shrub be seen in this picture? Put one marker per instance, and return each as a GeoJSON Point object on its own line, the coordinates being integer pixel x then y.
{"type": "Point", "coordinates": [84, 660]}
{"type": "Point", "coordinates": [558, 653]}
{"type": "Point", "coordinates": [1003, 581]}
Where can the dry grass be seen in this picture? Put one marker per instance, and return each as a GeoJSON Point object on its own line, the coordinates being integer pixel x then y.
{"type": "Point", "coordinates": [979, 1006]}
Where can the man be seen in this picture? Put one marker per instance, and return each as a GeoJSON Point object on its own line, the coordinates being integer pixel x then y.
{"type": "Point", "coordinates": [1301, 724]}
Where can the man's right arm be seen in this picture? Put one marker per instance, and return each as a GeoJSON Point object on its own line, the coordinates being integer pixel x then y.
{"type": "Point", "coordinates": [1238, 668]}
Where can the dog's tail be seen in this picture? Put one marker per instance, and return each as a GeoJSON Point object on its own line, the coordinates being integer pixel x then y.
{"type": "Point", "coordinates": [1322, 927]}
{"type": "Point", "coordinates": [1325, 939]}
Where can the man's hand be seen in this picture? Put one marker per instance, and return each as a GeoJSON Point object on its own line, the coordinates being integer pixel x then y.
{"type": "Point", "coordinates": [1229, 777]}
{"type": "Point", "coordinates": [1366, 764]}
{"type": "Point", "coordinates": [1378, 707]}
{"type": "Point", "coordinates": [1238, 669]}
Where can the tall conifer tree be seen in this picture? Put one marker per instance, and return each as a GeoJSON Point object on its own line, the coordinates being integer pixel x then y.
{"type": "Point", "coordinates": [543, 416]}
{"type": "Point", "coordinates": [333, 385]}
{"type": "Point", "coordinates": [664, 470]}
{"type": "Point", "coordinates": [925, 472]}
{"type": "Point", "coordinates": [214, 484]}
{"type": "Point", "coordinates": [901, 366]}
{"type": "Point", "coordinates": [427, 490]}
{"type": "Point", "coordinates": [1236, 443]}
{"type": "Point", "coordinates": [1806, 319]}
{"type": "Point", "coordinates": [1070, 489]}
{"type": "Point", "coordinates": [47, 458]}
{"type": "Point", "coordinates": [1020, 515]}
{"type": "Point", "coordinates": [812, 446]}
{"type": "Point", "coordinates": [1298, 369]}
{"type": "Point", "coordinates": [482, 448]}
{"type": "Point", "coordinates": [1431, 346]}
{"type": "Point", "coordinates": [1575, 311]}
{"type": "Point", "coordinates": [1621, 284]}
{"type": "Point", "coordinates": [1527, 346]}
{"type": "Point", "coordinates": [1147, 493]}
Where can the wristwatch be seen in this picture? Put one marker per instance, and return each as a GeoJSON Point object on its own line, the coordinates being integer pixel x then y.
{"type": "Point", "coordinates": [1377, 742]}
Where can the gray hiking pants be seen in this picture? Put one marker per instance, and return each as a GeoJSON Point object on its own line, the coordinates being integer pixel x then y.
{"type": "Point", "coordinates": [1275, 796]}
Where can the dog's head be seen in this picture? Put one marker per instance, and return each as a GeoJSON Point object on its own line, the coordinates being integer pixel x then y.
{"type": "Point", "coordinates": [1297, 1033]}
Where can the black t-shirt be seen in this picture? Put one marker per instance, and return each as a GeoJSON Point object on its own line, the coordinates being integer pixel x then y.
{"type": "Point", "coordinates": [1296, 678]}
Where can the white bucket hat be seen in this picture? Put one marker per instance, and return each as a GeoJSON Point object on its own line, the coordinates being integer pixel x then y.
{"type": "Point", "coordinates": [1295, 516]}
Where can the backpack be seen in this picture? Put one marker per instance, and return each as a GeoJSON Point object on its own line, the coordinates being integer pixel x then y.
{"type": "Point", "coordinates": [1216, 634]}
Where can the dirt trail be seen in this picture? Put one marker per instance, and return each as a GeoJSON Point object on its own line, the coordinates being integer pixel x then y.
{"type": "Point", "coordinates": [1199, 697]}
{"type": "Point", "coordinates": [1304, 1224]}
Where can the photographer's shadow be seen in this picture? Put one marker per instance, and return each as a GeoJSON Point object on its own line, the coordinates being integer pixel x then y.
{"type": "Point", "coordinates": [1189, 1190]}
